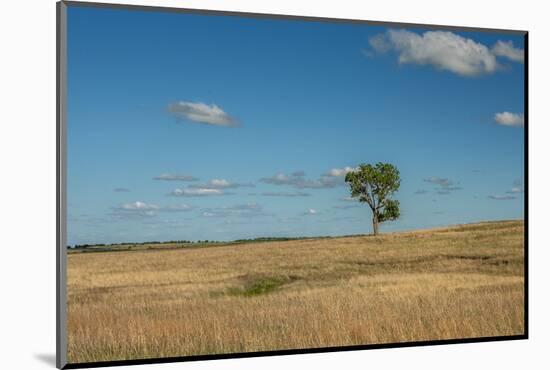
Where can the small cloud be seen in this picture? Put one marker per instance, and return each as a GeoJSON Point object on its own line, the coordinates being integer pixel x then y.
{"type": "Point", "coordinates": [506, 49]}
{"type": "Point", "coordinates": [200, 192]}
{"type": "Point", "coordinates": [221, 184]}
{"type": "Point", "coordinates": [141, 209]}
{"type": "Point", "coordinates": [517, 188]}
{"type": "Point", "coordinates": [330, 179]}
{"type": "Point", "coordinates": [134, 210]}
{"type": "Point", "coordinates": [438, 181]}
{"type": "Point", "coordinates": [282, 179]}
{"type": "Point", "coordinates": [501, 197]}
{"type": "Point", "coordinates": [121, 190]}
{"type": "Point", "coordinates": [139, 206]}
{"type": "Point", "coordinates": [310, 212]}
{"type": "Point", "coordinates": [445, 185]}
{"type": "Point", "coordinates": [348, 199]}
{"type": "Point", "coordinates": [339, 172]}
{"type": "Point", "coordinates": [285, 194]}
{"type": "Point", "coordinates": [175, 177]}
{"type": "Point", "coordinates": [248, 210]}
{"type": "Point", "coordinates": [202, 113]}
{"type": "Point", "coordinates": [420, 191]}
{"type": "Point", "coordinates": [510, 119]}
{"type": "Point", "coordinates": [443, 50]}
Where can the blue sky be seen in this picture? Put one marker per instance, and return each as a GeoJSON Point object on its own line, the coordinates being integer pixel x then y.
{"type": "Point", "coordinates": [215, 127]}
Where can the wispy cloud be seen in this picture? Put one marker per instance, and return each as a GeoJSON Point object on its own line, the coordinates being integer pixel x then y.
{"type": "Point", "coordinates": [420, 192]}
{"type": "Point", "coordinates": [501, 197]}
{"type": "Point", "coordinates": [331, 179]}
{"type": "Point", "coordinates": [139, 206]}
{"type": "Point", "coordinates": [221, 184]}
{"type": "Point", "coordinates": [133, 210]}
{"type": "Point", "coordinates": [199, 192]}
{"type": "Point", "coordinates": [121, 190]}
{"type": "Point", "coordinates": [444, 185]}
{"type": "Point", "coordinates": [444, 50]}
{"type": "Point", "coordinates": [510, 119]}
{"type": "Point", "coordinates": [202, 113]}
{"type": "Point", "coordinates": [310, 212]}
{"type": "Point", "coordinates": [506, 49]}
{"type": "Point", "coordinates": [282, 179]}
{"type": "Point", "coordinates": [248, 210]}
{"type": "Point", "coordinates": [175, 177]}
{"type": "Point", "coordinates": [517, 188]}
{"type": "Point", "coordinates": [140, 209]}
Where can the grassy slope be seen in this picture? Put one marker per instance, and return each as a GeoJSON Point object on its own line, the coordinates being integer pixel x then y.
{"type": "Point", "coordinates": [457, 282]}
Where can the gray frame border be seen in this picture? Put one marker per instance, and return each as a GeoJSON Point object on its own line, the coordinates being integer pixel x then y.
{"type": "Point", "coordinates": [61, 183]}
{"type": "Point", "coordinates": [61, 186]}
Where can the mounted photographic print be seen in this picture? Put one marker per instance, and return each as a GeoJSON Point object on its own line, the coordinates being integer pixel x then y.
{"type": "Point", "coordinates": [234, 184]}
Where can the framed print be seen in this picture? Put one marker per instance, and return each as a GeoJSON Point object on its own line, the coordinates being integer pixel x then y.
{"type": "Point", "coordinates": [235, 184]}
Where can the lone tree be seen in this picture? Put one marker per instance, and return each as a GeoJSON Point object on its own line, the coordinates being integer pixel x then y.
{"type": "Point", "coordinates": [375, 184]}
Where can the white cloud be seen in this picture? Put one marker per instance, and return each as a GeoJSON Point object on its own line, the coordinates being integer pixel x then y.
{"type": "Point", "coordinates": [442, 49]}
{"type": "Point", "coordinates": [222, 184]}
{"type": "Point", "coordinates": [140, 209]}
{"type": "Point", "coordinates": [506, 49]}
{"type": "Point", "coordinates": [134, 210]}
{"type": "Point", "coordinates": [175, 177]}
{"type": "Point", "coordinates": [310, 212]}
{"type": "Point", "coordinates": [139, 206]}
{"type": "Point", "coordinates": [510, 119]}
{"type": "Point", "coordinates": [339, 172]}
{"type": "Point", "coordinates": [200, 192]}
{"type": "Point", "coordinates": [202, 113]}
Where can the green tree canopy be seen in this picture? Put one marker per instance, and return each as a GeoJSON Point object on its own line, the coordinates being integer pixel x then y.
{"type": "Point", "coordinates": [374, 185]}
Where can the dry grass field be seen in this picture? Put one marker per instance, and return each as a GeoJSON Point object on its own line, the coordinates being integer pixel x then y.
{"type": "Point", "coordinates": [456, 282]}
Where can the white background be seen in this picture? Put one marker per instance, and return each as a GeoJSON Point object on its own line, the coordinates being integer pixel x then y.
{"type": "Point", "coordinates": [27, 206]}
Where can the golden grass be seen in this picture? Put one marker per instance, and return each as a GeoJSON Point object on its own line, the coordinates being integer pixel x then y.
{"type": "Point", "coordinates": [457, 282]}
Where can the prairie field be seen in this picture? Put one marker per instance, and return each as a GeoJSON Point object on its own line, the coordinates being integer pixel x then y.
{"type": "Point", "coordinates": [456, 282]}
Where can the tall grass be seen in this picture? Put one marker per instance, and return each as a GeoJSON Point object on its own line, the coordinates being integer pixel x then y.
{"type": "Point", "coordinates": [448, 283]}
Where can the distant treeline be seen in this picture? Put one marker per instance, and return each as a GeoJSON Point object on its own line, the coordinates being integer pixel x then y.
{"type": "Point", "coordinates": [83, 246]}
{"type": "Point", "coordinates": [238, 241]}
{"type": "Point", "coordinates": [267, 239]}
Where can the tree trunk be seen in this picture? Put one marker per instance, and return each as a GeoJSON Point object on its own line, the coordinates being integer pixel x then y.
{"type": "Point", "coordinates": [375, 223]}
